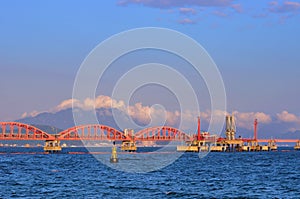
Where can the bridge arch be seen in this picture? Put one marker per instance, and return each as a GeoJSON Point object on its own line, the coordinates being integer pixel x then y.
{"type": "Point", "coordinates": [20, 131]}
{"type": "Point", "coordinates": [93, 132]}
{"type": "Point", "coordinates": [162, 133]}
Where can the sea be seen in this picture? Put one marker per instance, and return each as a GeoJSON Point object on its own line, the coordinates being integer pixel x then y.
{"type": "Point", "coordinates": [78, 173]}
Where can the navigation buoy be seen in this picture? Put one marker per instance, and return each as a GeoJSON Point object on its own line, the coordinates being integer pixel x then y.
{"type": "Point", "coordinates": [114, 157]}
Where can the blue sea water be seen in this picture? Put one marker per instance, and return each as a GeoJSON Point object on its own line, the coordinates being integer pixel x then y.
{"type": "Point", "coordinates": [217, 175]}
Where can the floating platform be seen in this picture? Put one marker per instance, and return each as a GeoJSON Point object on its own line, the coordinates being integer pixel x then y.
{"type": "Point", "coordinates": [273, 148]}
{"type": "Point", "coordinates": [187, 148]}
{"type": "Point", "coordinates": [201, 145]}
{"type": "Point", "coordinates": [236, 145]}
{"type": "Point", "coordinates": [201, 148]}
{"type": "Point", "coordinates": [217, 148]}
{"type": "Point", "coordinates": [264, 148]}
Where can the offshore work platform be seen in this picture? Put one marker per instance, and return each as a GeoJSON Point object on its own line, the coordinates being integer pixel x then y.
{"type": "Point", "coordinates": [206, 142]}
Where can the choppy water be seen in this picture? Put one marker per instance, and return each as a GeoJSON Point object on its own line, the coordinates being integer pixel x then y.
{"type": "Point", "coordinates": [218, 175]}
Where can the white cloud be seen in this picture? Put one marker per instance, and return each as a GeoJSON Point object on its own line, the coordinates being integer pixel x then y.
{"type": "Point", "coordinates": [246, 119]}
{"type": "Point", "coordinates": [138, 111]}
{"type": "Point", "coordinates": [222, 8]}
{"type": "Point", "coordinates": [237, 7]}
{"type": "Point", "coordinates": [99, 102]}
{"type": "Point", "coordinates": [31, 114]}
{"type": "Point", "coordinates": [285, 7]}
{"type": "Point", "coordinates": [186, 21]}
{"type": "Point", "coordinates": [66, 104]}
{"type": "Point", "coordinates": [187, 11]}
{"type": "Point", "coordinates": [220, 13]}
{"type": "Point", "coordinates": [163, 4]}
{"type": "Point", "coordinates": [293, 129]}
{"type": "Point", "coordinates": [24, 115]}
{"type": "Point", "coordinates": [285, 116]}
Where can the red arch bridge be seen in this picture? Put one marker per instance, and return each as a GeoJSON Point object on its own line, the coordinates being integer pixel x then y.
{"type": "Point", "coordinates": [90, 132]}
{"type": "Point", "coordinates": [20, 131]}
{"type": "Point", "coordinates": [97, 132]}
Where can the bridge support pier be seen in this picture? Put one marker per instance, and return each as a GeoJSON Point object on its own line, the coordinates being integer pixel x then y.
{"type": "Point", "coordinates": [52, 146]}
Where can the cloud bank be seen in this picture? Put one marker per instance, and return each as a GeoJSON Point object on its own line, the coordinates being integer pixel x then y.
{"type": "Point", "coordinates": [164, 4]}
{"type": "Point", "coordinates": [144, 114]}
{"type": "Point", "coordinates": [285, 7]}
{"type": "Point", "coordinates": [245, 119]}
{"type": "Point", "coordinates": [188, 11]}
{"type": "Point", "coordinates": [285, 116]}
{"type": "Point", "coordinates": [220, 8]}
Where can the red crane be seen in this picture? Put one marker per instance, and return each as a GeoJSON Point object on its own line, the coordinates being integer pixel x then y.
{"type": "Point", "coordinates": [199, 131]}
{"type": "Point", "coordinates": [255, 129]}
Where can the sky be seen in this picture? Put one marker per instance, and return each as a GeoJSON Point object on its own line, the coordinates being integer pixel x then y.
{"type": "Point", "coordinates": [255, 45]}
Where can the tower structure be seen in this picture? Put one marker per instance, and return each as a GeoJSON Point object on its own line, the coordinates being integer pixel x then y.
{"type": "Point", "coordinates": [233, 127]}
{"type": "Point", "coordinates": [228, 124]}
{"type": "Point", "coordinates": [255, 129]}
{"type": "Point", "coordinates": [230, 127]}
{"type": "Point", "coordinates": [199, 130]}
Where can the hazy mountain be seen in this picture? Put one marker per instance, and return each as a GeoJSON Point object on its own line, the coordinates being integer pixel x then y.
{"type": "Point", "coordinates": [64, 119]}
{"type": "Point", "coordinates": [291, 135]}
{"type": "Point", "coordinates": [48, 129]}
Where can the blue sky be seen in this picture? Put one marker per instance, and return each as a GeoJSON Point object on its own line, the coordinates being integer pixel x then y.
{"type": "Point", "coordinates": [255, 44]}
